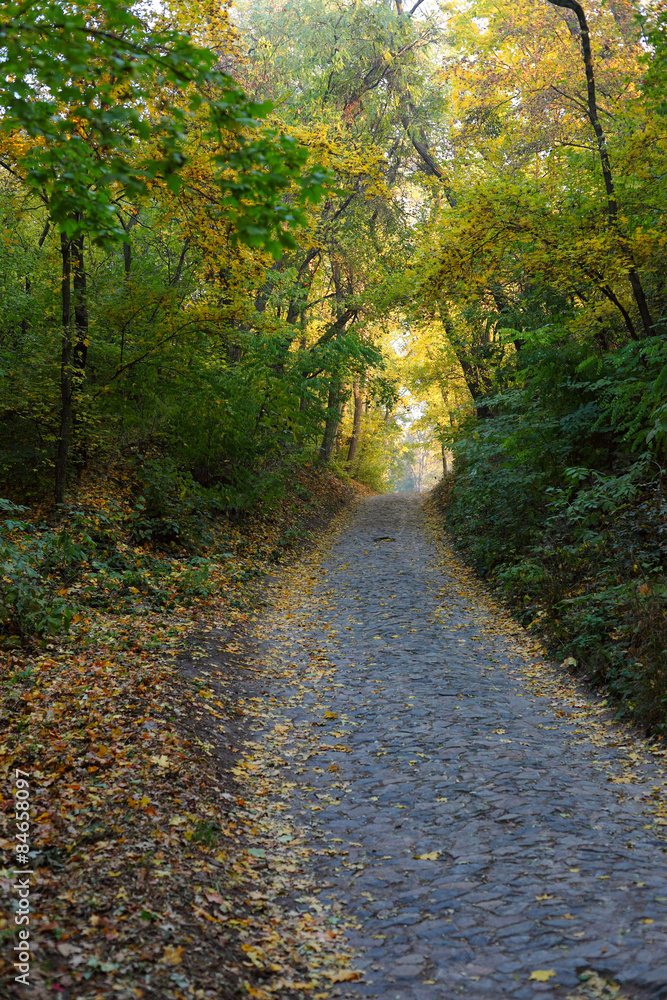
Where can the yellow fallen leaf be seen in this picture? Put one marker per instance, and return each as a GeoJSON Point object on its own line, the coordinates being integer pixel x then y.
{"type": "Point", "coordinates": [256, 955]}
{"type": "Point", "coordinates": [433, 856]}
{"type": "Point", "coordinates": [542, 975]}
{"type": "Point", "coordinates": [648, 920]}
{"type": "Point", "coordinates": [178, 820]}
{"type": "Point", "coordinates": [545, 896]}
{"type": "Point", "coordinates": [344, 975]}
{"type": "Point", "coordinates": [279, 728]}
{"type": "Point", "coordinates": [161, 761]}
{"type": "Point", "coordinates": [199, 912]}
{"type": "Point", "coordinates": [250, 990]}
{"type": "Point", "coordinates": [330, 715]}
{"type": "Point", "coordinates": [172, 955]}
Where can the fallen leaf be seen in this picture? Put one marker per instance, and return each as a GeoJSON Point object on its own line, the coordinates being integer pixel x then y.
{"type": "Point", "coordinates": [542, 975]}
{"type": "Point", "coordinates": [172, 955]}
{"type": "Point", "coordinates": [67, 949]}
{"type": "Point", "coordinates": [344, 976]}
{"type": "Point", "coordinates": [433, 856]}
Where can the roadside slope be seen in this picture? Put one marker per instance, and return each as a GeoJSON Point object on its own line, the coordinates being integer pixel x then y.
{"type": "Point", "coordinates": [147, 864]}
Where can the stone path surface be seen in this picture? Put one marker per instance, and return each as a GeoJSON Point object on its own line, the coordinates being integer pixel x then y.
{"type": "Point", "coordinates": [472, 833]}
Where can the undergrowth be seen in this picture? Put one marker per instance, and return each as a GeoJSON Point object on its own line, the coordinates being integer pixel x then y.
{"type": "Point", "coordinates": [562, 508]}
{"type": "Point", "coordinates": [148, 537]}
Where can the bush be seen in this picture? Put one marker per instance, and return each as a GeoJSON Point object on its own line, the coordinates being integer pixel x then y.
{"type": "Point", "coordinates": [558, 500]}
{"type": "Point", "coordinates": [28, 606]}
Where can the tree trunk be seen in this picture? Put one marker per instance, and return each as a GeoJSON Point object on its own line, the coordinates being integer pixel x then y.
{"type": "Point", "coordinates": [356, 424]}
{"type": "Point", "coordinates": [80, 349]}
{"type": "Point", "coordinates": [601, 140]}
{"type": "Point", "coordinates": [342, 410]}
{"type": "Point", "coordinates": [64, 437]}
{"type": "Point", "coordinates": [74, 353]}
{"type": "Point", "coordinates": [333, 419]}
{"type": "Point", "coordinates": [473, 368]}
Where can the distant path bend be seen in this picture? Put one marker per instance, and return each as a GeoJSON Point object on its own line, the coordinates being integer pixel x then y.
{"type": "Point", "coordinates": [540, 861]}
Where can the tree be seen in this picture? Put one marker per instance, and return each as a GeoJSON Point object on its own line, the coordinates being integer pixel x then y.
{"type": "Point", "coordinates": [603, 152]}
{"type": "Point", "coordinates": [97, 103]}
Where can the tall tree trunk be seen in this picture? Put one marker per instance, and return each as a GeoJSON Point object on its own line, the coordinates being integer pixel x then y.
{"type": "Point", "coordinates": [335, 386]}
{"type": "Point", "coordinates": [80, 349]}
{"type": "Point", "coordinates": [342, 410]}
{"type": "Point", "coordinates": [356, 423]}
{"type": "Point", "coordinates": [333, 419]}
{"type": "Point", "coordinates": [603, 152]}
{"type": "Point", "coordinates": [64, 437]}
{"type": "Point", "coordinates": [127, 268]}
{"type": "Point", "coordinates": [74, 352]}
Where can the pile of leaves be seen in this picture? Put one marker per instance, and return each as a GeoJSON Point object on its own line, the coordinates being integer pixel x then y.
{"type": "Point", "coordinates": [152, 871]}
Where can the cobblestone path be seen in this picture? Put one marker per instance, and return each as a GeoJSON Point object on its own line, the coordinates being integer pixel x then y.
{"type": "Point", "coordinates": [472, 831]}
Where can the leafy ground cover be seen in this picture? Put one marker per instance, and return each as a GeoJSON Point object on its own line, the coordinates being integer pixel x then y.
{"type": "Point", "coordinates": [150, 867]}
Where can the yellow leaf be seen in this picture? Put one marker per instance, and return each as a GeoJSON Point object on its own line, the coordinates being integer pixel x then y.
{"type": "Point", "coordinates": [161, 761]}
{"type": "Point", "coordinates": [279, 728]}
{"type": "Point", "coordinates": [545, 896]}
{"type": "Point", "coordinates": [542, 975]}
{"type": "Point", "coordinates": [172, 955]}
{"type": "Point", "coordinates": [330, 715]}
{"type": "Point", "coordinates": [199, 912]}
{"type": "Point", "coordinates": [178, 820]}
{"type": "Point", "coordinates": [344, 975]}
{"type": "Point", "coordinates": [433, 856]}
